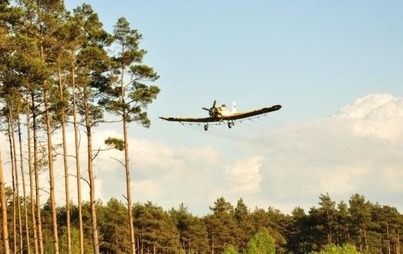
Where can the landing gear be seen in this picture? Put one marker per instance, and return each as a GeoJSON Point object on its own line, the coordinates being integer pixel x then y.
{"type": "Point", "coordinates": [230, 124]}
{"type": "Point", "coordinates": [206, 127]}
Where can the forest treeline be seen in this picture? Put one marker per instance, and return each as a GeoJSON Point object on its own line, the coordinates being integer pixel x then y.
{"type": "Point", "coordinates": [356, 226]}
{"type": "Point", "coordinates": [62, 73]}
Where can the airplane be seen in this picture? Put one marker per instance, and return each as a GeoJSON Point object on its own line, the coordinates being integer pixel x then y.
{"type": "Point", "coordinates": [221, 114]}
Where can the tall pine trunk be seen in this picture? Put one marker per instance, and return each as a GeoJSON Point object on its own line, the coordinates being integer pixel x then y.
{"type": "Point", "coordinates": [6, 244]}
{"type": "Point", "coordinates": [65, 164]}
{"type": "Point", "coordinates": [31, 180]}
{"type": "Point", "coordinates": [24, 191]}
{"type": "Point", "coordinates": [77, 162]}
{"type": "Point", "coordinates": [48, 127]}
{"type": "Point", "coordinates": [14, 176]}
{"type": "Point", "coordinates": [51, 171]}
{"type": "Point", "coordinates": [36, 174]}
{"type": "Point", "coordinates": [91, 178]}
{"type": "Point", "coordinates": [127, 166]}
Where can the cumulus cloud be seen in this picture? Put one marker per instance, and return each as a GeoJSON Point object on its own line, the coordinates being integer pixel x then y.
{"type": "Point", "coordinates": [355, 151]}
{"type": "Point", "coordinates": [244, 177]}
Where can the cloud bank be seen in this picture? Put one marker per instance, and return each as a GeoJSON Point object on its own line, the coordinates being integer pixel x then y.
{"type": "Point", "coordinates": [357, 150]}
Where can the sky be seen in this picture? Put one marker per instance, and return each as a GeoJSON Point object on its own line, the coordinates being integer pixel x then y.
{"type": "Point", "coordinates": [334, 66]}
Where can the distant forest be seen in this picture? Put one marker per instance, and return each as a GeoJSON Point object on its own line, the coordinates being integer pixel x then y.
{"type": "Point", "coordinates": [362, 226]}
{"type": "Point", "coordinates": [60, 74]}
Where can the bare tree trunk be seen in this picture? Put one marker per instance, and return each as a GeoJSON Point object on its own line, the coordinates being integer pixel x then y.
{"type": "Point", "coordinates": [31, 183]}
{"type": "Point", "coordinates": [127, 168]}
{"type": "Point", "coordinates": [36, 174]}
{"type": "Point", "coordinates": [24, 191]}
{"type": "Point", "coordinates": [91, 178]}
{"type": "Point", "coordinates": [65, 164]}
{"type": "Point", "coordinates": [6, 244]}
{"type": "Point", "coordinates": [51, 172]}
{"type": "Point", "coordinates": [14, 178]}
{"type": "Point", "coordinates": [78, 167]}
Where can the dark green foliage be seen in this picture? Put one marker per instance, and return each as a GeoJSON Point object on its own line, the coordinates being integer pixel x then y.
{"type": "Point", "coordinates": [192, 231]}
{"type": "Point", "coordinates": [155, 229]}
{"type": "Point", "coordinates": [130, 89]}
{"type": "Point", "coordinates": [113, 235]}
{"type": "Point", "coordinates": [115, 143]}
{"type": "Point", "coordinates": [221, 226]}
{"type": "Point", "coordinates": [245, 227]}
{"type": "Point", "coordinates": [178, 231]}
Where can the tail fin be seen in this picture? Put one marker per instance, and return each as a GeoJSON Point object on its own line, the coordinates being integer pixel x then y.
{"type": "Point", "coordinates": [234, 107]}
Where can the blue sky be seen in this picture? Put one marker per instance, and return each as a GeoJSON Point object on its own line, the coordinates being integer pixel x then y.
{"type": "Point", "coordinates": [314, 55]}
{"type": "Point", "coordinates": [335, 66]}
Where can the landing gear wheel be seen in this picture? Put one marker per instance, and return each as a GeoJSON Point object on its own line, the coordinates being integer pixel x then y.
{"type": "Point", "coordinates": [206, 127]}
{"type": "Point", "coordinates": [230, 124]}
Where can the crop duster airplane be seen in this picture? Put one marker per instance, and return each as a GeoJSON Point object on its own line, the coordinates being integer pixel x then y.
{"type": "Point", "coordinates": [221, 114]}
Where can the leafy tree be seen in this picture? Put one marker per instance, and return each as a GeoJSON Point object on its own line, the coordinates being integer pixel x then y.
{"type": "Point", "coordinates": [230, 250]}
{"type": "Point", "coordinates": [261, 243]}
{"type": "Point", "coordinates": [272, 220]}
{"type": "Point", "coordinates": [333, 249]}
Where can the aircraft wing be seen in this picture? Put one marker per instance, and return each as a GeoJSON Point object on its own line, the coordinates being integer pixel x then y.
{"type": "Point", "coordinates": [231, 117]}
{"type": "Point", "coordinates": [191, 120]}
{"type": "Point", "coordinates": [251, 113]}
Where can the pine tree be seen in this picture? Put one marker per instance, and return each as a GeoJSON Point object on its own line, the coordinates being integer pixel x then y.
{"type": "Point", "coordinates": [191, 229]}
{"type": "Point", "coordinates": [328, 210]}
{"type": "Point", "coordinates": [91, 64]}
{"type": "Point", "coordinates": [360, 220]}
{"type": "Point", "coordinates": [129, 98]}
{"type": "Point", "coordinates": [221, 226]}
{"type": "Point", "coordinates": [114, 235]}
{"type": "Point", "coordinates": [245, 226]}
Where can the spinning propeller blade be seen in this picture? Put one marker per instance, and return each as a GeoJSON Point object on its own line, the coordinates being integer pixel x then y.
{"type": "Point", "coordinates": [212, 109]}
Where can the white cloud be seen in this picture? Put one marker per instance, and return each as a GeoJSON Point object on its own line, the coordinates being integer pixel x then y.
{"type": "Point", "coordinates": [374, 106]}
{"type": "Point", "coordinates": [358, 150]}
{"type": "Point", "coordinates": [244, 177]}
{"type": "Point", "coordinates": [380, 115]}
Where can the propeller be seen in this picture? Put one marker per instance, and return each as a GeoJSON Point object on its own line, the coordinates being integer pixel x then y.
{"type": "Point", "coordinates": [211, 110]}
